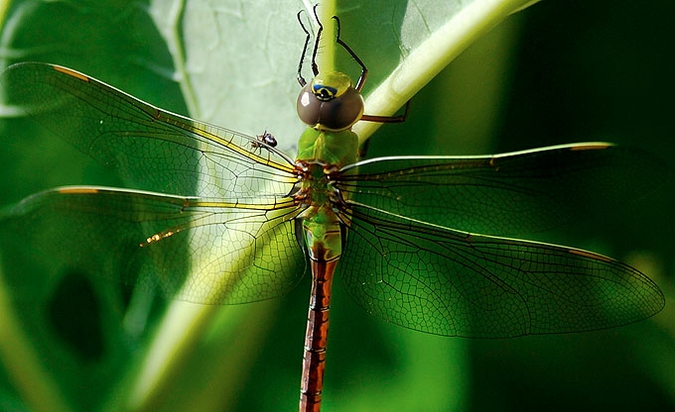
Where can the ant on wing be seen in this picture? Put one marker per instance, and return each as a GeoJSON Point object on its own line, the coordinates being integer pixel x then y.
{"type": "Point", "coordinates": [264, 141]}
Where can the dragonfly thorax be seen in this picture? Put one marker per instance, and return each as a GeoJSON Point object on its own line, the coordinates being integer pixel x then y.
{"type": "Point", "coordinates": [330, 102]}
{"type": "Point", "coordinates": [318, 222]}
{"type": "Point", "coordinates": [316, 189]}
{"type": "Point", "coordinates": [337, 149]}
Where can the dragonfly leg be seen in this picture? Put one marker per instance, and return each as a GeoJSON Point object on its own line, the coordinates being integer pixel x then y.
{"type": "Point", "coordinates": [301, 79]}
{"type": "Point", "coordinates": [315, 67]}
{"type": "Point", "coordinates": [361, 81]}
{"type": "Point", "coordinates": [388, 119]}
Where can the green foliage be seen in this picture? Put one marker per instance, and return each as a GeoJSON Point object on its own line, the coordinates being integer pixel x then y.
{"type": "Point", "coordinates": [85, 344]}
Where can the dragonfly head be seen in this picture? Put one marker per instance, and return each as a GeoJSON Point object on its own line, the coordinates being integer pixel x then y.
{"type": "Point", "coordinates": [330, 102]}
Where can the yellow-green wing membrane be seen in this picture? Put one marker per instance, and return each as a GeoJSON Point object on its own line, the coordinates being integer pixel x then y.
{"type": "Point", "coordinates": [411, 257]}
{"type": "Point", "coordinates": [446, 282]}
{"type": "Point", "coordinates": [223, 215]}
{"type": "Point", "coordinates": [151, 149]}
{"type": "Point", "coordinates": [233, 254]}
{"type": "Point", "coordinates": [508, 194]}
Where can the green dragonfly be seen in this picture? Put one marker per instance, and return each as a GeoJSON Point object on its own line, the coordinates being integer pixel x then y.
{"type": "Point", "coordinates": [423, 242]}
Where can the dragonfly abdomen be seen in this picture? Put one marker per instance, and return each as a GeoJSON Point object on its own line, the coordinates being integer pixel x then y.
{"type": "Point", "coordinates": [316, 336]}
{"type": "Point", "coordinates": [322, 235]}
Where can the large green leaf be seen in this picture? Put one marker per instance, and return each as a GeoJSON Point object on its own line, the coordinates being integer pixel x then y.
{"type": "Point", "coordinates": [233, 64]}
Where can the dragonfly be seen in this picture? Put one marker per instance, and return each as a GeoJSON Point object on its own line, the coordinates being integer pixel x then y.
{"type": "Point", "coordinates": [429, 243]}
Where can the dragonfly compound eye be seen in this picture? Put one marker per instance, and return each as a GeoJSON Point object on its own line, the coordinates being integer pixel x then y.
{"type": "Point", "coordinates": [325, 107]}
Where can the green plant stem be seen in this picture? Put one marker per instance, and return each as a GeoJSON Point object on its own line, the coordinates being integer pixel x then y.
{"type": "Point", "coordinates": [433, 55]}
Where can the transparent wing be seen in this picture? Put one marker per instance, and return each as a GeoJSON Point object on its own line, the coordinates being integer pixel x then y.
{"type": "Point", "coordinates": [509, 194]}
{"type": "Point", "coordinates": [233, 253]}
{"type": "Point", "coordinates": [151, 149]}
{"type": "Point", "coordinates": [445, 282]}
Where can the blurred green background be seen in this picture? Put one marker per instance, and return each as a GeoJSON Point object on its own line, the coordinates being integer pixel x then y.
{"type": "Point", "coordinates": [559, 72]}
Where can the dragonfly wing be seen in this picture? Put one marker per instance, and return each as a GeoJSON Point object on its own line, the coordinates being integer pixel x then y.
{"type": "Point", "coordinates": [181, 247]}
{"type": "Point", "coordinates": [509, 194]}
{"type": "Point", "coordinates": [150, 148]}
{"type": "Point", "coordinates": [445, 282]}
